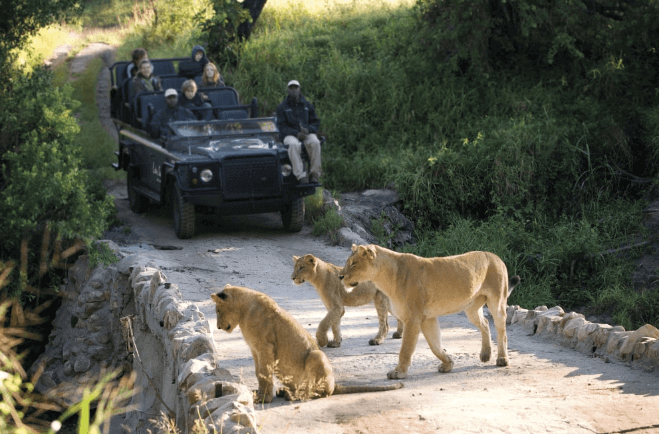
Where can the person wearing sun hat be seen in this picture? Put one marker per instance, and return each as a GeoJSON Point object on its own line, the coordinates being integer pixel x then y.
{"type": "Point", "coordinates": [298, 124]}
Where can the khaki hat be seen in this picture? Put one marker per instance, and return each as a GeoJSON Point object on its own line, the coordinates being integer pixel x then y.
{"type": "Point", "coordinates": [170, 92]}
{"type": "Point", "coordinates": [293, 83]}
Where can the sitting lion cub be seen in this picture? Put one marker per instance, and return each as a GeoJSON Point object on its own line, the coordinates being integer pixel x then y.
{"type": "Point", "coordinates": [280, 346]}
{"type": "Point", "coordinates": [421, 289]}
{"type": "Point", "coordinates": [325, 278]}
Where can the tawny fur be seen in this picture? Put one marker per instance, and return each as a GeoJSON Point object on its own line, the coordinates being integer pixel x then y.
{"type": "Point", "coordinates": [324, 277]}
{"type": "Point", "coordinates": [280, 347]}
{"type": "Point", "coordinates": [421, 289]}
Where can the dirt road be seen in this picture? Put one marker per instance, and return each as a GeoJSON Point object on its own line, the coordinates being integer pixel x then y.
{"type": "Point", "coordinates": [546, 388]}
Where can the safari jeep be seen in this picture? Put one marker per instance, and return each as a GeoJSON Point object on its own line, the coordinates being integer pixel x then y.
{"type": "Point", "coordinates": [234, 164]}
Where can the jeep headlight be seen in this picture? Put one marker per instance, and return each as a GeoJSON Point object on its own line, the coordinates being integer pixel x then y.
{"type": "Point", "coordinates": [206, 175]}
{"type": "Point", "coordinates": [286, 169]}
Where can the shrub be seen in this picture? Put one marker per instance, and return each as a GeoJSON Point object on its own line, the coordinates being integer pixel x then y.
{"type": "Point", "coordinates": [42, 181]}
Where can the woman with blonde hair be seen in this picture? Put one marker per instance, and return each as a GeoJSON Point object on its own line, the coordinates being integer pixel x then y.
{"type": "Point", "coordinates": [211, 77]}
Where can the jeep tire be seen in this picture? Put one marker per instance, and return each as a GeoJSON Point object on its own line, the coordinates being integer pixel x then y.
{"type": "Point", "coordinates": [137, 202]}
{"type": "Point", "coordinates": [292, 215]}
{"type": "Point", "coordinates": [184, 214]}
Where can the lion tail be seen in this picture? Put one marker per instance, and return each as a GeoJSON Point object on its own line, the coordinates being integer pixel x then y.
{"type": "Point", "coordinates": [512, 283]}
{"type": "Point", "coordinates": [340, 389]}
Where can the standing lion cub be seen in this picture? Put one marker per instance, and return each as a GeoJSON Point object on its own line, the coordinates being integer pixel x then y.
{"type": "Point", "coordinates": [421, 289]}
{"type": "Point", "coordinates": [280, 347]}
{"type": "Point", "coordinates": [325, 278]}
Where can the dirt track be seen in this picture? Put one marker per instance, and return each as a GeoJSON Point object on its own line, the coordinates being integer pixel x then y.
{"type": "Point", "coordinates": [545, 389]}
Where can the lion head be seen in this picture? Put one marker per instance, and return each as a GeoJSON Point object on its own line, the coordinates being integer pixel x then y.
{"type": "Point", "coordinates": [359, 266]}
{"type": "Point", "coordinates": [304, 268]}
{"type": "Point", "coordinates": [228, 316]}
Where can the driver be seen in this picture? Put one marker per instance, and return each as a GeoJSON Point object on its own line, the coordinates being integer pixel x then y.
{"type": "Point", "coordinates": [173, 112]}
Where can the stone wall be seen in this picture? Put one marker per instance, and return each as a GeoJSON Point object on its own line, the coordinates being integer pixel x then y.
{"type": "Point", "coordinates": [170, 349]}
{"type": "Point", "coordinates": [639, 348]}
{"type": "Point", "coordinates": [184, 369]}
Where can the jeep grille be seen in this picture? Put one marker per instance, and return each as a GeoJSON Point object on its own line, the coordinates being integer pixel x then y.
{"type": "Point", "coordinates": [251, 178]}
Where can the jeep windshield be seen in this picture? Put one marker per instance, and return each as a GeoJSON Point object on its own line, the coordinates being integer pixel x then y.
{"type": "Point", "coordinates": [227, 128]}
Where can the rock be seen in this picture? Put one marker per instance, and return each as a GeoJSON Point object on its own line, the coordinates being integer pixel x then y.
{"type": "Point", "coordinates": [372, 215]}
{"type": "Point", "coordinates": [200, 345]}
{"type": "Point", "coordinates": [647, 331]}
{"type": "Point", "coordinates": [82, 364]}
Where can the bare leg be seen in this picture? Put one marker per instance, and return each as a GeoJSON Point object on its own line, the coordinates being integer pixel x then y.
{"type": "Point", "coordinates": [410, 338]}
{"type": "Point", "coordinates": [431, 331]}
{"type": "Point", "coordinates": [475, 315]}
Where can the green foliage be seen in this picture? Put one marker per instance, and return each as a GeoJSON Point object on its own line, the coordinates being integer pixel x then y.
{"type": "Point", "coordinates": [100, 254]}
{"type": "Point", "coordinates": [41, 177]}
{"type": "Point", "coordinates": [165, 21]}
{"type": "Point", "coordinates": [328, 224]}
{"type": "Point", "coordinates": [220, 29]}
{"type": "Point", "coordinates": [24, 18]}
{"type": "Point", "coordinates": [313, 206]}
{"type": "Point", "coordinates": [108, 396]}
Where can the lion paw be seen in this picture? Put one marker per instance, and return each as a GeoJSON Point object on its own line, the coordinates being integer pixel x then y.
{"type": "Point", "coordinates": [334, 344]}
{"type": "Point", "coordinates": [397, 335]}
{"type": "Point", "coordinates": [502, 361]}
{"type": "Point", "coordinates": [322, 340]}
{"type": "Point", "coordinates": [375, 341]}
{"type": "Point", "coordinates": [262, 398]}
{"type": "Point", "coordinates": [396, 375]}
{"type": "Point", "coordinates": [445, 367]}
{"type": "Point", "coordinates": [485, 356]}
{"type": "Point", "coordinates": [285, 393]}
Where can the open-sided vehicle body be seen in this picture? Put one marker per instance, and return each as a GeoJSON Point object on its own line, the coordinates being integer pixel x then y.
{"type": "Point", "coordinates": [231, 165]}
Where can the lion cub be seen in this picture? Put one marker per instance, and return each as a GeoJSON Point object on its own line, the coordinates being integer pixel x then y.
{"type": "Point", "coordinates": [280, 346]}
{"type": "Point", "coordinates": [325, 278]}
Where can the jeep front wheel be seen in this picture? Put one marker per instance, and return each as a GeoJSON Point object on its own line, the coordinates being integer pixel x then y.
{"type": "Point", "coordinates": [184, 214]}
{"type": "Point", "coordinates": [292, 215]}
{"type": "Point", "coordinates": [136, 201]}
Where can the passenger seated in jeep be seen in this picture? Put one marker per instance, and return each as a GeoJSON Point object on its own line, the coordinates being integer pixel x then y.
{"type": "Point", "coordinates": [137, 55]}
{"type": "Point", "coordinates": [192, 99]}
{"type": "Point", "coordinates": [173, 112]}
{"type": "Point", "coordinates": [211, 77]}
{"type": "Point", "coordinates": [195, 66]}
{"type": "Point", "coordinates": [145, 80]}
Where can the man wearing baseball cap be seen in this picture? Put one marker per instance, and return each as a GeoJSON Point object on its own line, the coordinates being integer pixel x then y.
{"type": "Point", "coordinates": [173, 112]}
{"type": "Point", "coordinates": [298, 124]}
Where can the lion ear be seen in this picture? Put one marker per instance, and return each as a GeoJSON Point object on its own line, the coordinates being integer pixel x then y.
{"type": "Point", "coordinates": [311, 259]}
{"type": "Point", "coordinates": [354, 247]}
{"type": "Point", "coordinates": [295, 258]}
{"type": "Point", "coordinates": [219, 296]}
{"type": "Point", "coordinates": [367, 252]}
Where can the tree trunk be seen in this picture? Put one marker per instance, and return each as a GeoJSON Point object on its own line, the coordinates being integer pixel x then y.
{"type": "Point", "coordinates": [254, 7]}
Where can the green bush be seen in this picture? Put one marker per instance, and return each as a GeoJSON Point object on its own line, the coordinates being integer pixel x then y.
{"type": "Point", "coordinates": [42, 180]}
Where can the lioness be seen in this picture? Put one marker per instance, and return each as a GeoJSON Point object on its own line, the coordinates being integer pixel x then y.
{"type": "Point", "coordinates": [324, 276]}
{"type": "Point", "coordinates": [280, 347]}
{"type": "Point", "coordinates": [421, 289]}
